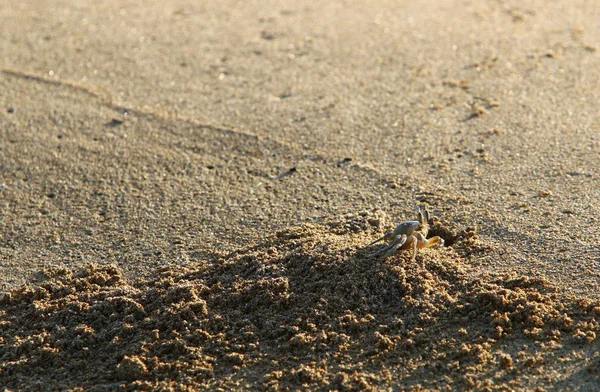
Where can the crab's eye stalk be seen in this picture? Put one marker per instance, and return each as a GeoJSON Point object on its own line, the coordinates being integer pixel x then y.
{"type": "Point", "coordinates": [423, 215]}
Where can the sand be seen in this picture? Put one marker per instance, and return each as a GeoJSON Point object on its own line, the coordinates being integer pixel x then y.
{"type": "Point", "coordinates": [187, 191]}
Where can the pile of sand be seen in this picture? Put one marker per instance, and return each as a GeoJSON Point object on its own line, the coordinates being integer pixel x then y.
{"type": "Point", "coordinates": [305, 308]}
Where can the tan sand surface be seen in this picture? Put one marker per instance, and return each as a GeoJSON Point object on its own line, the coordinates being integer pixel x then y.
{"type": "Point", "coordinates": [187, 189]}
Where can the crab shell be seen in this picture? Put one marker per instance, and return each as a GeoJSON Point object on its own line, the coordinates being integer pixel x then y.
{"type": "Point", "coordinates": [407, 228]}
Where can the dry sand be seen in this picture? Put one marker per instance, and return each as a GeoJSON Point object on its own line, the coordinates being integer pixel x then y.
{"type": "Point", "coordinates": [187, 189]}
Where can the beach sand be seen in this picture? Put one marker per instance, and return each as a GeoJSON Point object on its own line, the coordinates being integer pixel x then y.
{"type": "Point", "coordinates": [187, 190]}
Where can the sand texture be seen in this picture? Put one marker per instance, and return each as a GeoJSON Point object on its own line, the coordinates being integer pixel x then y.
{"type": "Point", "coordinates": [188, 188]}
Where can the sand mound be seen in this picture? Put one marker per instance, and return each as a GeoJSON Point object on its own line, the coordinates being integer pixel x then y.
{"type": "Point", "coordinates": [306, 307]}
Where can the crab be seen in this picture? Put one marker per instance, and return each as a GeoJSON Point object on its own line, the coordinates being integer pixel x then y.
{"type": "Point", "coordinates": [409, 235]}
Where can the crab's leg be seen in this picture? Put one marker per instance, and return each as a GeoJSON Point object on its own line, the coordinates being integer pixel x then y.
{"type": "Point", "coordinates": [421, 242]}
{"type": "Point", "coordinates": [415, 243]}
{"type": "Point", "coordinates": [384, 237]}
{"type": "Point", "coordinates": [393, 246]}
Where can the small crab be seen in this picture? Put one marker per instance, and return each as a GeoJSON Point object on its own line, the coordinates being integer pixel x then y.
{"type": "Point", "coordinates": [409, 235]}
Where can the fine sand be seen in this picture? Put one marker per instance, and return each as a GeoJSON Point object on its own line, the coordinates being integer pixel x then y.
{"type": "Point", "coordinates": [188, 188]}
